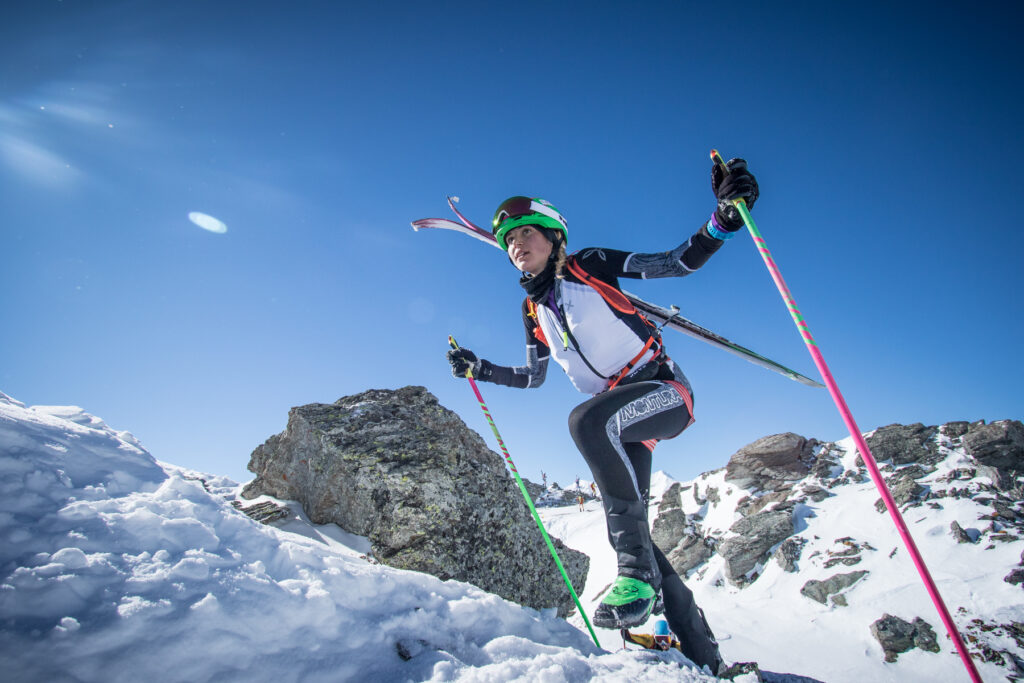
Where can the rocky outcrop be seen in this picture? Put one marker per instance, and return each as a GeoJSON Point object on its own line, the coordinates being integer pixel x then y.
{"type": "Point", "coordinates": [407, 473]}
{"type": "Point", "coordinates": [904, 487]}
{"type": "Point", "coordinates": [788, 553]}
{"type": "Point", "coordinates": [958, 532]}
{"type": "Point", "coordinates": [770, 462]}
{"type": "Point", "coordinates": [902, 444]}
{"type": "Point", "coordinates": [692, 551]}
{"type": "Point", "coordinates": [954, 430]}
{"type": "Point", "coordinates": [897, 636]}
{"type": "Point", "coordinates": [827, 465]}
{"type": "Point", "coordinates": [752, 505]}
{"type": "Point", "coordinates": [989, 640]}
{"type": "Point", "coordinates": [266, 512]}
{"type": "Point", "coordinates": [679, 538]}
{"type": "Point", "coordinates": [969, 470]}
{"type": "Point", "coordinates": [848, 552]}
{"type": "Point", "coordinates": [755, 536]}
{"type": "Point", "coordinates": [1000, 446]}
{"type": "Point", "coordinates": [788, 471]}
{"type": "Point", "coordinates": [669, 526]}
{"type": "Point", "coordinates": [821, 590]}
{"type": "Point", "coordinates": [535, 490]}
{"type": "Point", "coordinates": [813, 492]}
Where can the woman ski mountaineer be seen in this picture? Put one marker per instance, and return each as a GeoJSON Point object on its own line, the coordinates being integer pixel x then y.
{"type": "Point", "coordinates": [575, 313]}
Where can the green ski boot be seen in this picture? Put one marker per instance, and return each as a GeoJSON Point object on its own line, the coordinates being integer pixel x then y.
{"type": "Point", "coordinates": [627, 604]}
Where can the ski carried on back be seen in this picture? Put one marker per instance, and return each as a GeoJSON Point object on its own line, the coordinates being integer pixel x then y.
{"type": "Point", "coordinates": [660, 315]}
{"type": "Point", "coordinates": [657, 314]}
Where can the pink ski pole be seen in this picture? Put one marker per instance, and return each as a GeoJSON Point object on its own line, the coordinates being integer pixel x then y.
{"type": "Point", "coordinates": [858, 438]}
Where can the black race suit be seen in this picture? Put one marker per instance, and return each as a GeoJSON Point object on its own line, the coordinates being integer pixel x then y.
{"type": "Point", "coordinates": [617, 428]}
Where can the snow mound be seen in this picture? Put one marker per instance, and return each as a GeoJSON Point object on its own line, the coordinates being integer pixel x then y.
{"type": "Point", "coordinates": [114, 567]}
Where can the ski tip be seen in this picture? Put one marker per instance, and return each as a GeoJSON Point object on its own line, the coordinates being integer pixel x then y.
{"type": "Point", "coordinates": [716, 157]}
{"type": "Point", "coordinates": [806, 381]}
{"type": "Point", "coordinates": [414, 226]}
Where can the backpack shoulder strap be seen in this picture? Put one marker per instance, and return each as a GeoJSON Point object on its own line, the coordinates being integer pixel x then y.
{"type": "Point", "coordinates": [538, 331]}
{"type": "Point", "coordinates": [613, 296]}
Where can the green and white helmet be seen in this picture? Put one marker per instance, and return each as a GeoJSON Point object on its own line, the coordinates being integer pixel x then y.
{"type": "Point", "coordinates": [517, 211]}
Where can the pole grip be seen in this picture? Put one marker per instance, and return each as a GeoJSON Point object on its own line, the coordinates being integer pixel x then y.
{"type": "Point", "coordinates": [455, 347]}
{"type": "Point", "coordinates": [718, 161]}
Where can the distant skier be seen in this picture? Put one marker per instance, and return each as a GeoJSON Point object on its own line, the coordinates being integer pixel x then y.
{"type": "Point", "coordinates": [575, 312]}
{"type": "Point", "coordinates": [544, 478]}
{"type": "Point", "coordinates": [593, 490]}
{"type": "Point", "coordinates": [580, 499]}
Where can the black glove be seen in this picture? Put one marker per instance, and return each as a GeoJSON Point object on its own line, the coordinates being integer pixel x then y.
{"type": "Point", "coordinates": [737, 182]}
{"type": "Point", "coordinates": [464, 361]}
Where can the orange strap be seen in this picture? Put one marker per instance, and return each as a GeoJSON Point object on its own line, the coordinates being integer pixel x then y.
{"type": "Point", "coordinates": [613, 382]}
{"type": "Point", "coordinates": [619, 302]}
{"type": "Point", "coordinates": [687, 398]}
{"type": "Point", "coordinates": [614, 297]}
{"type": "Point", "coordinates": [538, 331]}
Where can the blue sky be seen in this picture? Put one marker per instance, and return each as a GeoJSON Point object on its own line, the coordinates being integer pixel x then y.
{"type": "Point", "coordinates": [885, 141]}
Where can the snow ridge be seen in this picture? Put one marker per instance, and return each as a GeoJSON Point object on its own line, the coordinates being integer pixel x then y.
{"type": "Point", "coordinates": [115, 567]}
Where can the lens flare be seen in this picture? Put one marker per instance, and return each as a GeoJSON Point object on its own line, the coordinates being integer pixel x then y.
{"type": "Point", "coordinates": [207, 222]}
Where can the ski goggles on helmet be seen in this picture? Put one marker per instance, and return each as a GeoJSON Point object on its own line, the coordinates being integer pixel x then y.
{"type": "Point", "coordinates": [518, 211]}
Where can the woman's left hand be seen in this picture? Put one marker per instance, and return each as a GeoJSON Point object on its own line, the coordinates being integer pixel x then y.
{"type": "Point", "coordinates": [463, 362]}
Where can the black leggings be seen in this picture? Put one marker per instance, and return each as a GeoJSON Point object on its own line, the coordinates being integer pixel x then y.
{"type": "Point", "coordinates": [686, 619]}
{"type": "Point", "coordinates": [616, 432]}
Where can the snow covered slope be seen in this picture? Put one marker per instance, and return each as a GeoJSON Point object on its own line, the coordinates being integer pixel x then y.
{"type": "Point", "coordinates": [116, 567]}
{"type": "Point", "coordinates": [771, 621]}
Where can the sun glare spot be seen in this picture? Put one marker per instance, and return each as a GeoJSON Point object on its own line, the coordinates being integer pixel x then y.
{"type": "Point", "coordinates": [207, 222]}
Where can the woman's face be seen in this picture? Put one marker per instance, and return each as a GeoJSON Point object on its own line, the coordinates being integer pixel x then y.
{"type": "Point", "coordinates": [528, 248]}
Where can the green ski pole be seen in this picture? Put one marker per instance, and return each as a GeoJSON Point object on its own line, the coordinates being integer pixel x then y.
{"type": "Point", "coordinates": [526, 496]}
